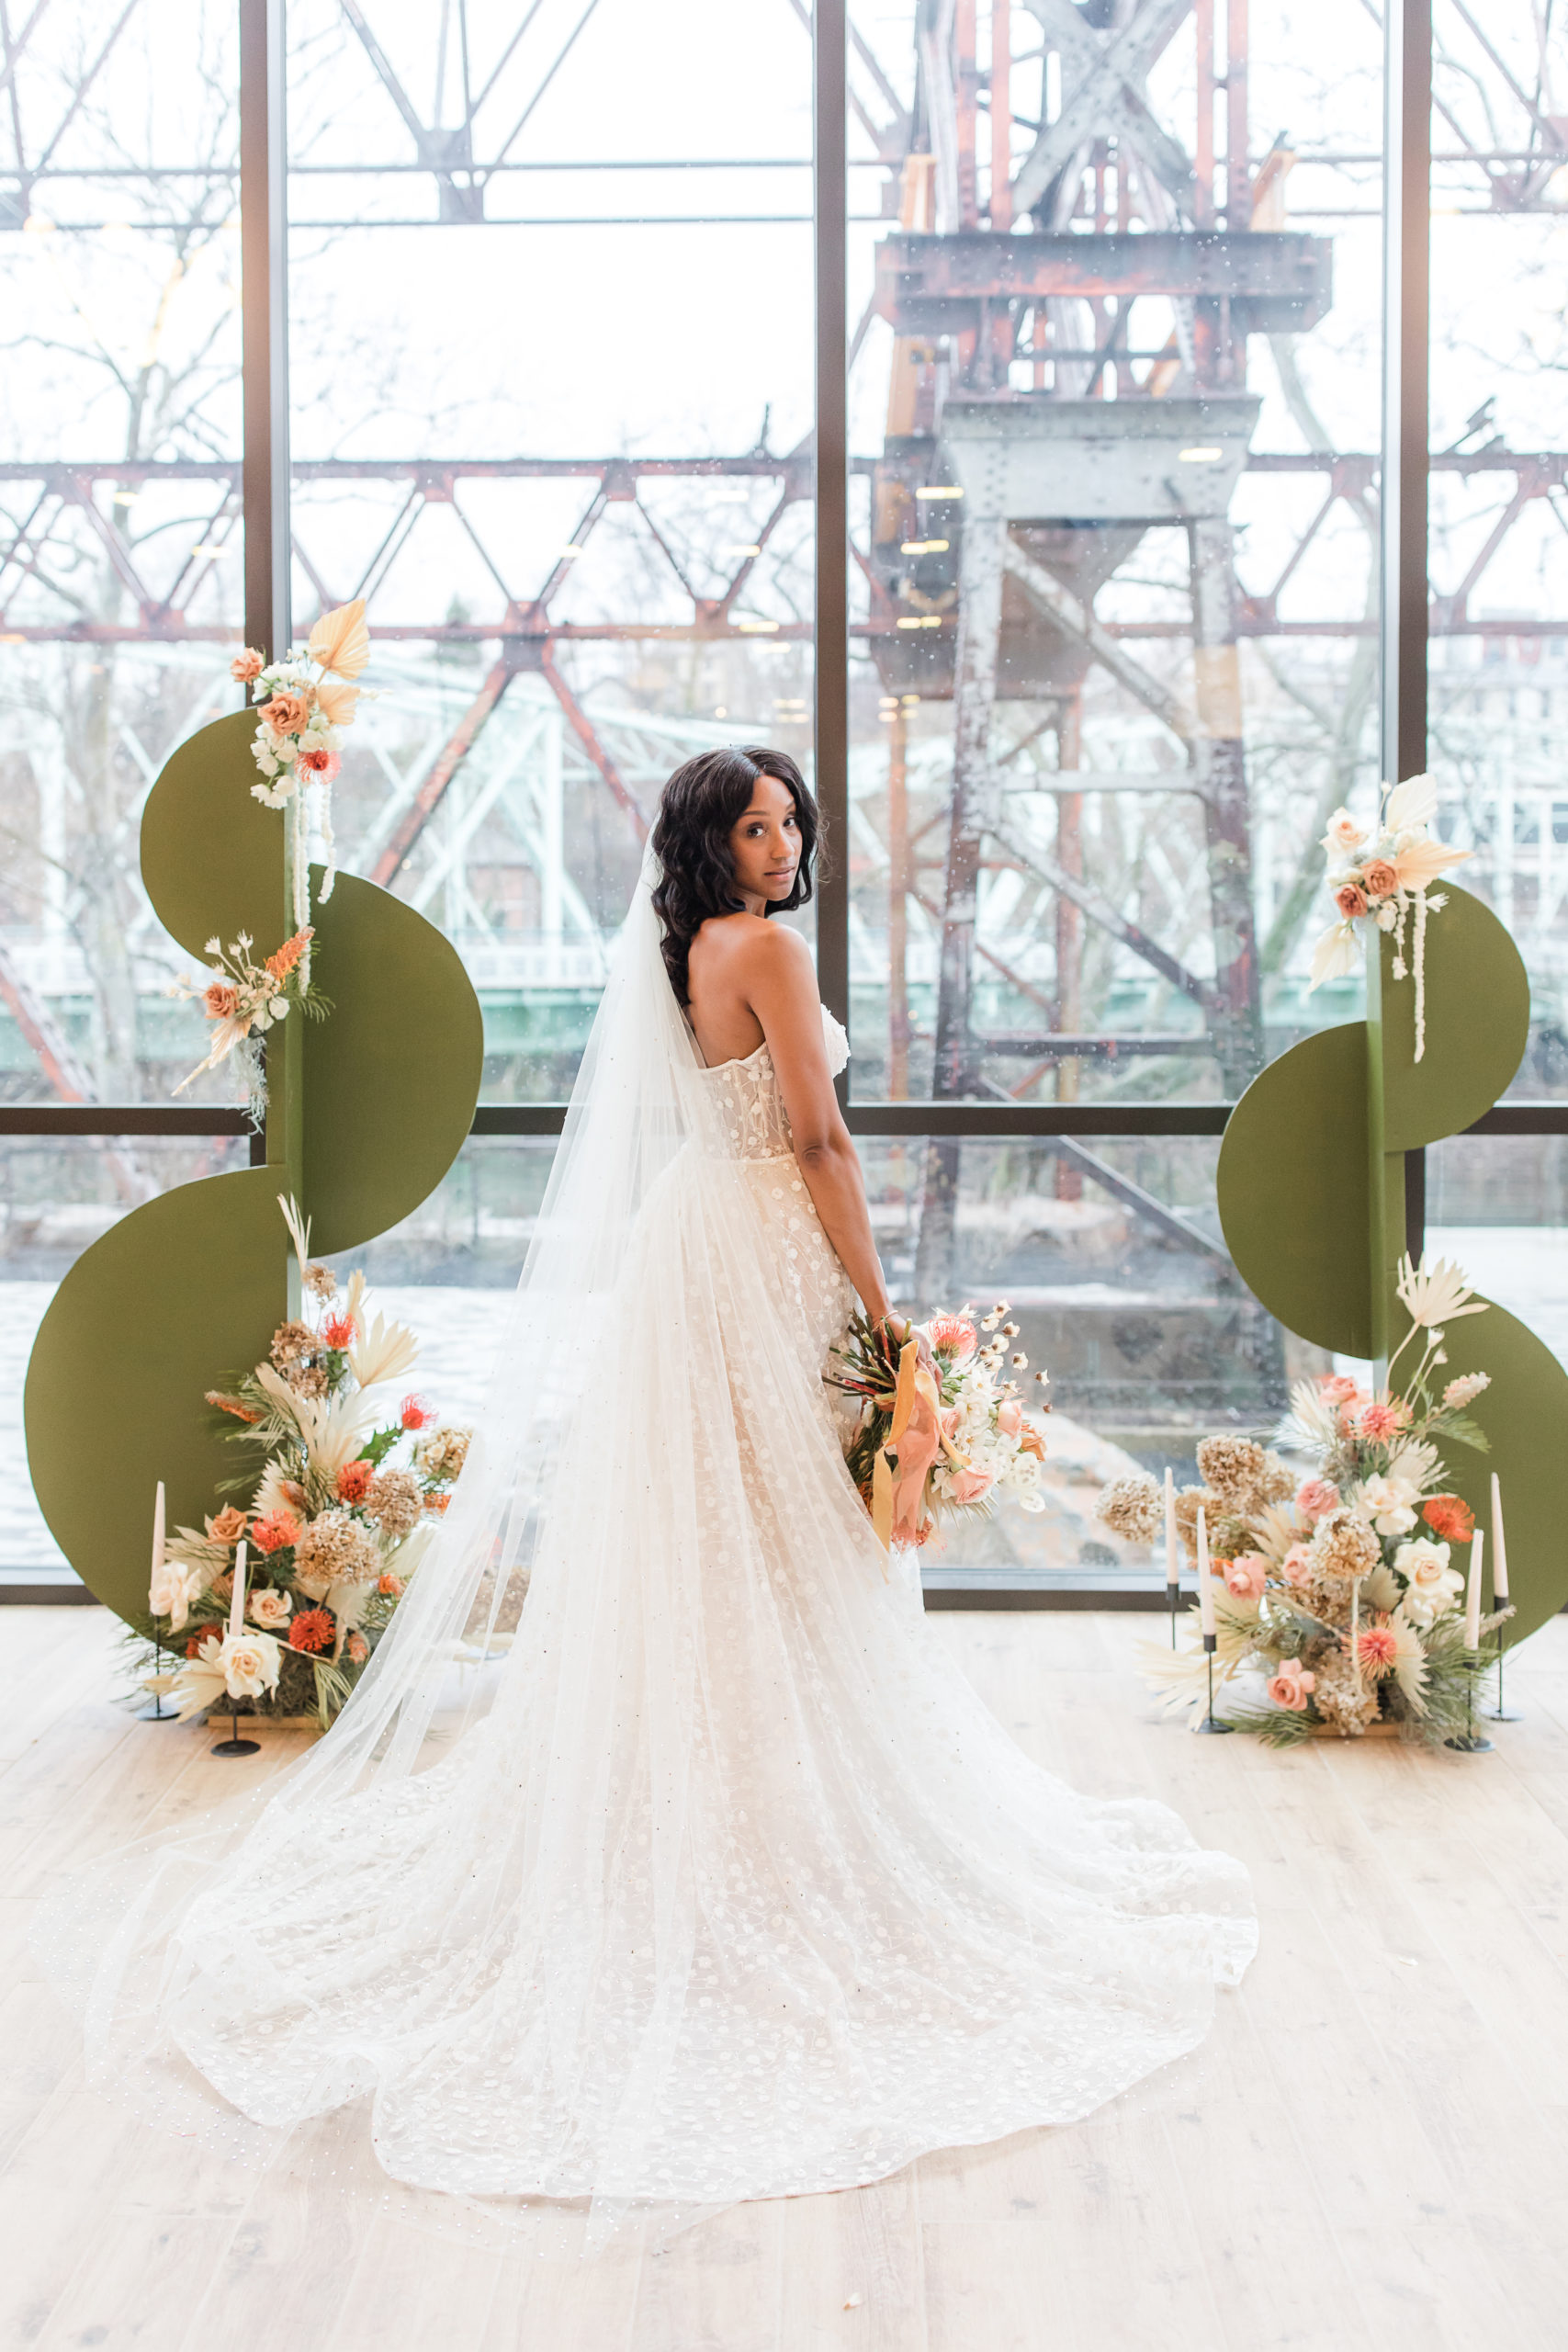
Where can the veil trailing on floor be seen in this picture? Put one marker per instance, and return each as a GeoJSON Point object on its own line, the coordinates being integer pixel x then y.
{"type": "Point", "coordinates": [718, 1882]}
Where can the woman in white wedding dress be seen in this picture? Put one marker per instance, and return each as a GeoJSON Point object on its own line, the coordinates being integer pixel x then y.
{"type": "Point", "coordinates": [721, 1884]}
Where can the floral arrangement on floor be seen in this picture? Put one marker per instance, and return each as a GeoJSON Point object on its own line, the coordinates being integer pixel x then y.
{"type": "Point", "coordinates": [940, 1433]}
{"type": "Point", "coordinates": [1382, 878]}
{"type": "Point", "coordinates": [304, 701]}
{"type": "Point", "coordinates": [1337, 1596]}
{"type": "Point", "coordinates": [342, 1489]}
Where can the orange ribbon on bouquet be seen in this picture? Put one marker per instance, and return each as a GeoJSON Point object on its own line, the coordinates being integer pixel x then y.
{"type": "Point", "coordinates": [903, 1462]}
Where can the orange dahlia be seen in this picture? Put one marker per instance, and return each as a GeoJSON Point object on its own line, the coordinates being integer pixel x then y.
{"type": "Point", "coordinates": [313, 1628]}
{"type": "Point", "coordinates": [1449, 1517]}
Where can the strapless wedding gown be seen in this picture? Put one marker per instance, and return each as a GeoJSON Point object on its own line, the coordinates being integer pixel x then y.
{"type": "Point", "coordinates": [737, 1890]}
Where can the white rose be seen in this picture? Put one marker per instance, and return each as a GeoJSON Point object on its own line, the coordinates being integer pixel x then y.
{"type": "Point", "coordinates": [174, 1588]}
{"type": "Point", "coordinates": [1387, 1503]}
{"type": "Point", "coordinates": [250, 1664]}
{"type": "Point", "coordinates": [268, 1608]}
{"type": "Point", "coordinates": [278, 1007]}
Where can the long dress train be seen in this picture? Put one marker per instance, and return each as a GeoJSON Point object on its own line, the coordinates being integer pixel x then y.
{"type": "Point", "coordinates": [723, 1883]}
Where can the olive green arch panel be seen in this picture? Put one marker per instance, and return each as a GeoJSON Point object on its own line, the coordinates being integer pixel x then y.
{"type": "Point", "coordinates": [171, 1302]}
{"type": "Point", "coordinates": [391, 1077]}
{"type": "Point", "coordinates": [1291, 1188]}
{"type": "Point", "coordinates": [1525, 1416]}
{"type": "Point", "coordinates": [1478, 1018]}
{"type": "Point", "coordinates": [372, 1105]}
{"type": "Point", "coordinates": [211, 854]}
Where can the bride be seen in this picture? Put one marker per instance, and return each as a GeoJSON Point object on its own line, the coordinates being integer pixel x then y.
{"type": "Point", "coordinates": [719, 1882]}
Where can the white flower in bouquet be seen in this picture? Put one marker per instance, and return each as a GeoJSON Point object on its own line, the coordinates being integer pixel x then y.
{"type": "Point", "coordinates": [1388, 1502]}
{"type": "Point", "coordinates": [1433, 1588]}
{"type": "Point", "coordinates": [268, 1608]}
{"type": "Point", "coordinates": [175, 1585]}
{"type": "Point", "coordinates": [232, 1666]}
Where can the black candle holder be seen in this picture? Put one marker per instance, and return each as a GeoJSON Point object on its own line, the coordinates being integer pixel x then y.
{"type": "Point", "coordinates": [155, 1712]}
{"type": "Point", "coordinates": [1500, 1714]}
{"type": "Point", "coordinates": [234, 1745]}
{"type": "Point", "coordinates": [1470, 1742]}
{"type": "Point", "coordinates": [1211, 1722]}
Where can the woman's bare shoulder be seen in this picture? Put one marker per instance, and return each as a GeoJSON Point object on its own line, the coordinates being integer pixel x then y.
{"type": "Point", "coordinates": [746, 943]}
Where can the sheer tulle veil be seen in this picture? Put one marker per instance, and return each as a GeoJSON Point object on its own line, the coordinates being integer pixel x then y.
{"type": "Point", "coordinates": [715, 1881]}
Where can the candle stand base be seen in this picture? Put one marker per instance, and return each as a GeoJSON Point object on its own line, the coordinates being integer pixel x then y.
{"type": "Point", "coordinates": [234, 1745]}
{"type": "Point", "coordinates": [154, 1711]}
{"type": "Point", "coordinates": [1211, 1722]}
{"type": "Point", "coordinates": [1470, 1742]}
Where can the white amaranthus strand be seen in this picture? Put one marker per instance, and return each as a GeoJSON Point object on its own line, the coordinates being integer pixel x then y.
{"type": "Point", "coordinates": [329, 845]}
{"type": "Point", "coordinates": [1419, 960]}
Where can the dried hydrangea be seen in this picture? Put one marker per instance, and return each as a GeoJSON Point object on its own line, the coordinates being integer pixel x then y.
{"type": "Point", "coordinates": [291, 1342]}
{"type": "Point", "coordinates": [394, 1501]}
{"type": "Point", "coordinates": [1131, 1508]}
{"type": "Point", "coordinates": [1277, 1483]}
{"type": "Point", "coordinates": [320, 1281]}
{"type": "Point", "coordinates": [335, 1549]}
{"type": "Point", "coordinates": [1189, 1502]}
{"type": "Point", "coordinates": [441, 1454]}
{"type": "Point", "coordinates": [1234, 1468]}
{"type": "Point", "coordinates": [1344, 1545]}
{"type": "Point", "coordinates": [1342, 1699]}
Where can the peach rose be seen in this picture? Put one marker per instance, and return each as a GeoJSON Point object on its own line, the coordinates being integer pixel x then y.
{"type": "Point", "coordinates": [247, 666]}
{"type": "Point", "coordinates": [1010, 1417]}
{"type": "Point", "coordinates": [1292, 1686]}
{"type": "Point", "coordinates": [358, 1649]}
{"type": "Point", "coordinates": [1350, 901]}
{"type": "Point", "coordinates": [229, 1525]}
{"type": "Point", "coordinates": [287, 713]}
{"type": "Point", "coordinates": [1246, 1577]}
{"type": "Point", "coordinates": [268, 1608]}
{"type": "Point", "coordinates": [1296, 1565]}
{"type": "Point", "coordinates": [1316, 1498]}
{"type": "Point", "coordinates": [1379, 877]}
{"type": "Point", "coordinates": [220, 1002]}
{"type": "Point", "coordinates": [968, 1486]}
{"type": "Point", "coordinates": [389, 1584]}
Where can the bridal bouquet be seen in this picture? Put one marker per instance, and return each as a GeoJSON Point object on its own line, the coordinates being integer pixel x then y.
{"type": "Point", "coordinates": [1382, 878]}
{"type": "Point", "coordinates": [939, 1438]}
{"type": "Point", "coordinates": [1337, 1595]}
{"type": "Point", "coordinates": [342, 1485]}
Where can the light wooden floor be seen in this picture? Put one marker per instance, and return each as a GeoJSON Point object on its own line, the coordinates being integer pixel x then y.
{"type": "Point", "coordinates": [1372, 2147]}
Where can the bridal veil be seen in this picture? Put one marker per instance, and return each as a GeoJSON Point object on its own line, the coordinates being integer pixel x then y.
{"type": "Point", "coordinates": [718, 1882]}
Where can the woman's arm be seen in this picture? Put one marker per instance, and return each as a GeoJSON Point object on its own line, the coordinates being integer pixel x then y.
{"type": "Point", "coordinates": [780, 985]}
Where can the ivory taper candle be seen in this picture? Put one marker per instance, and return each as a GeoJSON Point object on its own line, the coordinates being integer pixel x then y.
{"type": "Point", "coordinates": [1499, 1549]}
{"type": "Point", "coordinates": [158, 1536]}
{"type": "Point", "coordinates": [1172, 1559]}
{"type": "Point", "coordinates": [1205, 1582]}
{"type": "Point", "coordinates": [1472, 1592]}
{"type": "Point", "coordinates": [1356, 1628]}
{"type": "Point", "coordinates": [237, 1606]}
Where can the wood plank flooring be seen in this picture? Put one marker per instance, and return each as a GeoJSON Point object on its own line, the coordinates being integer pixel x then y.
{"type": "Point", "coordinates": [1371, 2149]}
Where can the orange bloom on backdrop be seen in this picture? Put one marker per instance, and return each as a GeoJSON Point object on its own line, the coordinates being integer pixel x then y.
{"type": "Point", "coordinates": [313, 1630]}
{"type": "Point", "coordinates": [1447, 1516]}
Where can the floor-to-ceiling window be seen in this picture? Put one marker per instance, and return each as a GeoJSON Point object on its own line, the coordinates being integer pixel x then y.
{"type": "Point", "coordinates": [1110, 286]}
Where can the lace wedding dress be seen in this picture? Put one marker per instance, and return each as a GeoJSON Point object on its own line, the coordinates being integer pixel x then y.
{"type": "Point", "coordinates": [721, 1884]}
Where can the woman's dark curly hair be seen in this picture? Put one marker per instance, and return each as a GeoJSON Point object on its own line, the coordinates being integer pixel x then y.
{"type": "Point", "coordinates": [698, 809]}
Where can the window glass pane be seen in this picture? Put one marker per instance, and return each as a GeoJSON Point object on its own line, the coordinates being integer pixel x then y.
{"type": "Point", "coordinates": [1115, 426]}
{"type": "Point", "coordinates": [120, 542]}
{"type": "Point", "coordinates": [1497, 1205]}
{"type": "Point", "coordinates": [551, 351]}
{"type": "Point", "coordinates": [1499, 526]}
{"type": "Point", "coordinates": [56, 1198]}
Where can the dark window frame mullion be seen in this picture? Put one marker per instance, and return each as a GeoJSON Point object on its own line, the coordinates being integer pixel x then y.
{"type": "Point", "coordinates": [263, 311]}
{"type": "Point", "coordinates": [832, 662]}
{"type": "Point", "coordinates": [1407, 218]}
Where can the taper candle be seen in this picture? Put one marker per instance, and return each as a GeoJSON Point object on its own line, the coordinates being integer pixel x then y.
{"type": "Point", "coordinates": [1205, 1582]}
{"type": "Point", "coordinates": [1499, 1549]}
{"type": "Point", "coordinates": [1356, 1628]}
{"type": "Point", "coordinates": [1172, 1561]}
{"type": "Point", "coordinates": [1472, 1593]}
{"type": "Point", "coordinates": [237, 1606]}
{"type": "Point", "coordinates": [158, 1527]}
